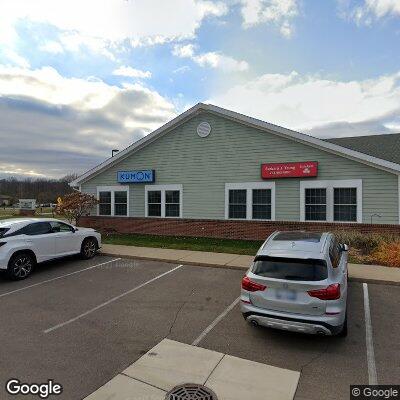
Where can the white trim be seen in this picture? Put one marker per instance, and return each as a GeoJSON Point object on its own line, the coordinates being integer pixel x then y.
{"type": "Point", "coordinates": [113, 189]}
{"type": "Point", "coordinates": [249, 186]}
{"type": "Point", "coordinates": [329, 185]}
{"type": "Point", "coordinates": [163, 189]}
{"type": "Point", "coordinates": [270, 128]}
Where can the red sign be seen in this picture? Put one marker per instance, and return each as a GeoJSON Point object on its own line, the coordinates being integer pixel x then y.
{"type": "Point", "coordinates": [302, 169]}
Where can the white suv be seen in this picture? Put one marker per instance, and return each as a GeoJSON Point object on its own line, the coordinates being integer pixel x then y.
{"type": "Point", "coordinates": [26, 242]}
{"type": "Point", "coordinates": [298, 282]}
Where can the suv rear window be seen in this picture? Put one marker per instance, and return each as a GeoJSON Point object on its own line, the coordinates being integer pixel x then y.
{"type": "Point", "coordinates": [291, 269]}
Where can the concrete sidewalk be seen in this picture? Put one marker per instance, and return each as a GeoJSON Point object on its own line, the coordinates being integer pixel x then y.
{"type": "Point", "coordinates": [172, 363]}
{"type": "Point", "coordinates": [357, 272]}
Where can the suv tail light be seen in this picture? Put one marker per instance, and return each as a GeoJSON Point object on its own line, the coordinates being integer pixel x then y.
{"type": "Point", "coordinates": [250, 286]}
{"type": "Point", "coordinates": [332, 292]}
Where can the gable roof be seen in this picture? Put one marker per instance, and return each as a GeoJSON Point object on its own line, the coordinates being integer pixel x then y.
{"type": "Point", "coordinates": [385, 146]}
{"type": "Point", "coordinates": [246, 120]}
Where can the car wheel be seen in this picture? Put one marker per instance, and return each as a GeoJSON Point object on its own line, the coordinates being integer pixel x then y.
{"type": "Point", "coordinates": [343, 332]}
{"type": "Point", "coordinates": [20, 266]}
{"type": "Point", "coordinates": [89, 248]}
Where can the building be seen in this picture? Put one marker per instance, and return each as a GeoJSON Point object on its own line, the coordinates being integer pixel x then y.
{"type": "Point", "coordinates": [214, 172]}
{"type": "Point", "coordinates": [5, 200]}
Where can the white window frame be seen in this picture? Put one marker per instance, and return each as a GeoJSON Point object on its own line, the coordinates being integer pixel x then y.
{"type": "Point", "coordinates": [249, 186]}
{"type": "Point", "coordinates": [330, 185]}
{"type": "Point", "coordinates": [163, 189]}
{"type": "Point", "coordinates": [113, 189]}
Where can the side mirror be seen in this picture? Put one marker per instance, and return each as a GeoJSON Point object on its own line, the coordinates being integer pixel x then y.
{"type": "Point", "coordinates": [344, 247]}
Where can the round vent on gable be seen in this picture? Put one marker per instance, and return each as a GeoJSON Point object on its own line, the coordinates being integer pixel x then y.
{"type": "Point", "coordinates": [203, 129]}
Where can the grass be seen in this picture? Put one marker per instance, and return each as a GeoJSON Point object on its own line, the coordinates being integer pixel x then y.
{"type": "Point", "coordinates": [363, 247]}
{"type": "Point", "coordinates": [10, 213]}
{"type": "Point", "coordinates": [248, 247]}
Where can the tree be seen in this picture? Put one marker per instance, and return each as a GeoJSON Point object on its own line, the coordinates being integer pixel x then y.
{"type": "Point", "coordinates": [74, 205]}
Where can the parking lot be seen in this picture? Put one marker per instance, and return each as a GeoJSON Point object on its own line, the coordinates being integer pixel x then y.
{"type": "Point", "coordinates": [82, 322]}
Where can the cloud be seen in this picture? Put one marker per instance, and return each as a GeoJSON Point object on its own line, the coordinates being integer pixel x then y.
{"type": "Point", "coordinates": [370, 10]}
{"type": "Point", "coordinates": [77, 42]}
{"type": "Point", "coordinates": [184, 51]}
{"type": "Point", "coordinates": [15, 58]}
{"type": "Point", "coordinates": [52, 47]}
{"type": "Point", "coordinates": [181, 70]}
{"type": "Point", "coordinates": [278, 12]}
{"type": "Point", "coordinates": [100, 24]}
{"type": "Point", "coordinates": [54, 125]}
{"type": "Point", "coordinates": [311, 102]}
{"type": "Point", "coordinates": [132, 72]}
{"type": "Point", "coordinates": [211, 59]}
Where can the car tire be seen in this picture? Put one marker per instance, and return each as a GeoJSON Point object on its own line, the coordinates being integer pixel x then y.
{"type": "Point", "coordinates": [20, 266]}
{"type": "Point", "coordinates": [89, 248]}
{"type": "Point", "coordinates": [343, 332]}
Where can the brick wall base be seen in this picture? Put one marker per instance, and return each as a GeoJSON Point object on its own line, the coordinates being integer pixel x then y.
{"type": "Point", "coordinates": [249, 230]}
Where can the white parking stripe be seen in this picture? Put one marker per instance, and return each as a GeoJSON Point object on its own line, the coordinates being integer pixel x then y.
{"type": "Point", "coordinates": [106, 303]}
{"type": "Point", "coordinates": [214, 323]}
{"type": "Point", "coordinates": [372, 376]}
{"type": "Point", "coordinates": [58, 277]}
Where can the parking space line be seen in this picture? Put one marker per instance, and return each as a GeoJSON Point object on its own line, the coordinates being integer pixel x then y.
{"type": "Point", "coordinates": [372, 376]}
{"type": "Point", "coordinates": [58, 277]}
{"type": "Point", "coordinates": [106, 303]}
{"type": "Point", "coordinates": [215, 322]}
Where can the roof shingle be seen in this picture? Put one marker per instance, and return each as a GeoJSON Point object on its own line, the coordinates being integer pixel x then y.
{"type": "Point", "coordinates": [386, 147]}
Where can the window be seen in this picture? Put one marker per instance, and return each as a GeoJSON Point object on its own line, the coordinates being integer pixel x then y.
{"type": "Point", "coordinates": [164, 201]}
{"type": "Point", "coordinates": [38, 228]}
{"type": "Point", "coordinates": [238, 203]}
{"type": "Point", "coordinates": [172, 203]}
{"type": "Point", "coordinates": [345, 204]}
{"type": "Point", "coordinates": [250, 200]}
{"type": "Point", "coordinates": [60, 227]}
{"type": "Point", "coordinates": [104, 203]}
{"type": "Point", "coordinates": [331, 200]}
{"type": "Point", "coordinates": [154, 203]}
{"type": "Point", "coordinates": [113, 200]}
{"type": "Point", "coordinates": [261, 203]}
{"type": "Point", "coordinates": [120, 203]}
{"type": "Point", "coordinates": [315, 204]}
{"type": "Point", "coordinates": [291, 269]}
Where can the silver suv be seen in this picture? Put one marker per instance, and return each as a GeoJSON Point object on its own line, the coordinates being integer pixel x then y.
{"type": "Point", "coordinates": [298, 282]}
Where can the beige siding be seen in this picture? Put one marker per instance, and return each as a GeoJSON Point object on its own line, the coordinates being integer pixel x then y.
{"type": "Point", "coordinates": [234, 153]}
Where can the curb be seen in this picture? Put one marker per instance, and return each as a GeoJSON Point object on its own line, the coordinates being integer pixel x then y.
{"type": "Point", "coordinates": [238, 268]}
{"type": "Point", "coordinates": [160, 259]}
{"type": "Point", "coordinates": [373, 281]}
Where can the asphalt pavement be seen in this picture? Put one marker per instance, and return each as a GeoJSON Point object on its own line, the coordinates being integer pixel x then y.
{"type": "Point", "coordinates": [81, 323]}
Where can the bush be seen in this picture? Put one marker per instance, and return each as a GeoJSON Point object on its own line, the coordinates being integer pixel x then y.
{"type": "Point", "coordinates": [366, 243]}
{"type": "Point", "coordinates": [75, 205]}
{"type": "Point", "coordinates": [388, 254]}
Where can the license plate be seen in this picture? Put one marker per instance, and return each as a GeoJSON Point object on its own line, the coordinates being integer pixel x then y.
{"type": "Point", "coordinates": [282, 294]}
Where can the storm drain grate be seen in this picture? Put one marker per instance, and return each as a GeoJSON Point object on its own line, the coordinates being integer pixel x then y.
{"type": "Point", "coordinates": [191, 391]}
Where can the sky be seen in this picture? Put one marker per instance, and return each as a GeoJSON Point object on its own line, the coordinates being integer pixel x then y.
{"type": "Point", "coordinates": [80, 78]}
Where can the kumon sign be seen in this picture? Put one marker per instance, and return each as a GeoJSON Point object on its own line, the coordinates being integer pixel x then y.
{"type": "Point", "coordinates": [142, 176]}
{"type": "Point", "coordinates": [304, 169]}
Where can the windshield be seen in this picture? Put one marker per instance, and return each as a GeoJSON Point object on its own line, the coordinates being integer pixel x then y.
{"type": "Point", "coordinates": [292, 269]}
